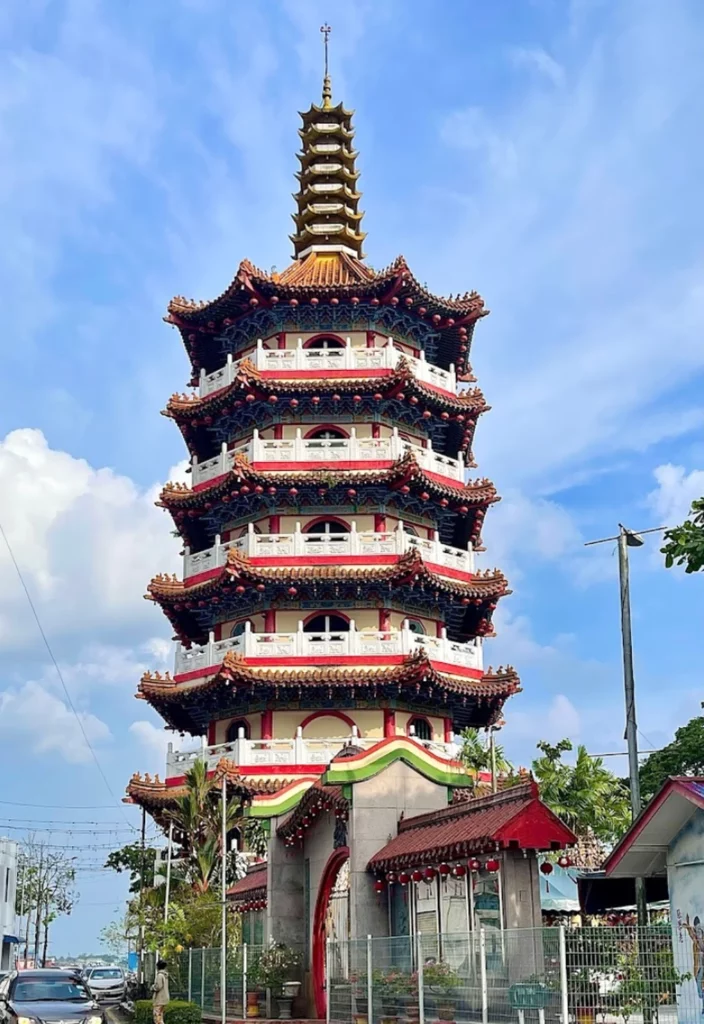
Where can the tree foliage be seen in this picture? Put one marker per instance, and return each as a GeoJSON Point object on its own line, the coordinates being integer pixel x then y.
{"type": "Point", "coordinates": [585, 795]}
{"type": "Point", "coordinates": [684, 756]}
{"type": "Point", "coordinates": [475, 754]}
{"type": "Point", "coordinates": [46, 891]}
{"type": "Point", "coordinates": [137, 862]}
{"type": "Point", "coordinates": [684, 545]}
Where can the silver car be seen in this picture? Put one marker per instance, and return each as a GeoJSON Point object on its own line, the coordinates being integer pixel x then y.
{"type": "Point", "coordinates": [107, 984]}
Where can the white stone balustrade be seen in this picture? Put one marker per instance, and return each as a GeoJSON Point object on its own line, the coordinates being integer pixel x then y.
{"type": "Point", "coordinates": [304, 646]}
{"type": "Point", "coordinates": [296, 751]}
{"type": "Point", "coordinates": [331, 451]}
{"type": "Point", "coordinates": [306, 545]}
{"type": "Point", "coordinates": [315, 359]}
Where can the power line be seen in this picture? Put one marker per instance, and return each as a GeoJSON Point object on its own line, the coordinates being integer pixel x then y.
{"type": "Point", "coordinates": [60, 674]}
{"type": "Point", "coordinates": [60, 807]}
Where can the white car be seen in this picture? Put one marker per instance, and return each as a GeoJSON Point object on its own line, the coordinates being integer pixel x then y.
{"type": "Point", "coordinates": [107, 984]}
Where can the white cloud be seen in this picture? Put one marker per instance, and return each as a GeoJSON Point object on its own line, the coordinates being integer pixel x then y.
{"type": "Point", "coordinates": [34, 718]}
{"type": "Point", "coordinates": [538, 60]}
{"type": "Point", "coordinates": [676, 491]}
{"type": "Point", "coordinates": [87, 541]}
{"type": "Point", "coordinates": [155, 742]}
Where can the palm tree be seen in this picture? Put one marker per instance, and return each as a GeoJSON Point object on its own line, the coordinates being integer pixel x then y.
{"type": "Point", "coordinates": [197, 821]}
{"type": "Point", "coordinates": [476, 755]}
{"type": "Point", "coordinates": [587, 797]}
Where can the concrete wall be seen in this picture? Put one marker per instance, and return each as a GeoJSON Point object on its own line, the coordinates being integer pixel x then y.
{"type": "Point", "coordinates": [377, 807]}
{"type": "Point", "coordinates": [285, 874]}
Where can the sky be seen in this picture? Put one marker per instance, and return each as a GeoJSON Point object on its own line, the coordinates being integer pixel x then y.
{"type": "Point", "coordinates": [548, 153]}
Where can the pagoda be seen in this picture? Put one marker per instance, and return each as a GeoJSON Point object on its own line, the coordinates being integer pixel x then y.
{"type": "Point", "coordinates": [330, 619]}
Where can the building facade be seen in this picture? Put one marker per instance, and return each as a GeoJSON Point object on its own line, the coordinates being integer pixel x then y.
{"type": "Point", "coordinates": [331, 618]}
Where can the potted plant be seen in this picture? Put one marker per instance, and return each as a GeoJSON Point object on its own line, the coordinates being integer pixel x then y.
{"type": "Point", "coordinates": [442, 981]}
{"type": "Point", "coordinates": [358, 982]}
{"type": "Point", "coordinates": [533, 993]}
{"type": "Point", "coordinates": [278, 965]}
{"type": "Point", "coordinates": [583, 995]}
{"type": "Point", "coordinates": [392, 985]}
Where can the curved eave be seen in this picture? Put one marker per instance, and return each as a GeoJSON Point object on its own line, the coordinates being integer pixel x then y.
{"type": "Point", "coordinates": [326, 113]}
{"type": "Point", "coordinates": [484, 586]}
{"type": "Point", "coordinates": [480, 493]}
{"type": "Point", "coordinates": [416, 681]}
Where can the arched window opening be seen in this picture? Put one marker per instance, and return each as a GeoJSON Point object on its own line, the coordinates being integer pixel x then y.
{"type": "Point", "coordinates": [410, 530]}
{"type": "Point", "coordinates": [326, 434]}
{"type": "Point", "coordinates": [416, 626]}
{"type": "Point", "coordinates": [420, 729]}
{"type": "Point", "coordinates": [326, 343]}
{"type": "Point", "coordinates": [245, 530]}
{"type": "Point", "coordinates": [330, 624]}
{"type": "Point", "coordinates": [332, 529]}
{"type": "Point", "coordinates": [240, 628]}
{"type": "Point", "coordinates": [233, 729]}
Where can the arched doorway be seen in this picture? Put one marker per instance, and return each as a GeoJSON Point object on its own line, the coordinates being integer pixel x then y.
{"type": "Point", "coordinates": [331, 921]}
{"type": "Point", "coordinates": [328, 623]}
{"type": "Point", "coordinates": [324, 343]}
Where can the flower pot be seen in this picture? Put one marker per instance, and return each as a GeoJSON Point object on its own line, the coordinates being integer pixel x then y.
{"type": "Point", "coordinates": [585, 1015]}
{"type": "Point", "coordinates": [252, 1004]}
{"type": "Point", "coordinates": [285, 1004]}
{"type": "Point", "coordinates": [446, 1010]}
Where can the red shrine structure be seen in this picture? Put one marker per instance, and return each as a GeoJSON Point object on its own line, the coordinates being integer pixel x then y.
{"type": "Point", "coordinates": [330, 618]}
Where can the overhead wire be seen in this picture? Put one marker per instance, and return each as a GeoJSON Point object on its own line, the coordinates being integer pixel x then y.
{"type": "Point", "coordinates": [59, 673]}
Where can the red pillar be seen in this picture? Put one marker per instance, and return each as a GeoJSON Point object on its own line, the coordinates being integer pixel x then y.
{"type": "Point", "coordinates": [448, 730]}
{"type": "Point", "coordinates": [270, 621]}
{"type": "Point", "coordinates": [278, 431]}
{"type": "Point", "coordinates": [370, 339]}
{"type": "Point", "coordinates": [274, 524]}
{"type": "Point", "coordinates": [379, 522]}
{"type": "Point", "coordinates": [389, 723]}
{"type": "Point", "coordinates": [267, 725]}
{"type": "Point", "coordinates": [376, 429]}
{"type": "Point", "coordinates": [384, 620]}
{"type": "Point", "coordinates": [438, 628]}
{"type": "Point", "coordinates": [211, 733]}
{"type": "Point", "coordinates": [282, 340]}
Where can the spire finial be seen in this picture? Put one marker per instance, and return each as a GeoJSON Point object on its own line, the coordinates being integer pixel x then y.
{"type": "Point", "coordinates": [327, 88]}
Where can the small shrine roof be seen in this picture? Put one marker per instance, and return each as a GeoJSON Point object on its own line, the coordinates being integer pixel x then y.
{"type": "Point", "coordinates": [320, 798]}
{"type": "Point", "coordinates": [253, 882]}
{"type": "Point", "coordinates": [512, 817]}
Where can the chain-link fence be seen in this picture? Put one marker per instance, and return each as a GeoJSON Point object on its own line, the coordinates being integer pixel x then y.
{"type": "Point", "coordinates": [195, 975]}
{"type": "Point", "coordinates": [549, 975]}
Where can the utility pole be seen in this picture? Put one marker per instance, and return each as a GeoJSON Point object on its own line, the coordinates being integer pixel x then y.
{"type": "Point", "coordinates": [630, 539]}
{"type": "Point", "coordinates": [223, 920]}
{"type": "Point", "coordinates": [140, 937]}
{"type": "Point", "coordinates": [168, 872]}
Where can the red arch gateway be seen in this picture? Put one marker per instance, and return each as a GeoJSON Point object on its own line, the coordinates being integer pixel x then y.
{"type": "Point", "coordinates": [330, 873]}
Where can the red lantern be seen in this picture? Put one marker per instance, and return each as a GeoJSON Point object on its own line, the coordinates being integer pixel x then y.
{"type": "Point", "coordinates": [546, 867]}
{"type": "Point", "coordinates": [564, 861]}
{"type": "Point", "coordinates": [378, 885]}
{"type": "Point", "coordinates": [459, 871]}
{"type": "Point", "coordinates": [404, 878]}
{"type": "Point", "coordinates": [444, 870]}
{"type": "Point", "coordinates": [429, 874]}
{"type": "Point", "coordinates": [492, 865]}
{"type": "Point", "coordinates": [474, 864]}
{"type": "Point", "coordinates": [417, 875]}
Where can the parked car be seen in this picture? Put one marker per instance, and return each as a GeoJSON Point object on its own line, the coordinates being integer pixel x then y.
{"type": "Point", "coordinates": [47, 994]}
{"type": "Point", "coordinates": [107, 984]}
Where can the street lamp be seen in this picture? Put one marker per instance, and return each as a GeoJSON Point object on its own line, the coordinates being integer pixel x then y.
{"type": "Point", "coordinates": [630, 539]}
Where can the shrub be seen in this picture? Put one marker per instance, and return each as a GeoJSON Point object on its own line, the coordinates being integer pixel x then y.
{"type": "Point", "coordinates": [176, 1012]}
{"type": "Point", "coordinates": [181, 1012]}
{"type": "Point", "coordinates": [143, 1013]}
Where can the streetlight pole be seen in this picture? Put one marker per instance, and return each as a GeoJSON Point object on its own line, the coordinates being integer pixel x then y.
{"type": "Point", "coordinates": [629, 539]}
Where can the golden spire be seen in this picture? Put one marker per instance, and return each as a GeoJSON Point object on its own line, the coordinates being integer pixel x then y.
{"type": "Point", "coordinates": [327, 86]}
{"type": "Point", "coordinates": [328, 217]}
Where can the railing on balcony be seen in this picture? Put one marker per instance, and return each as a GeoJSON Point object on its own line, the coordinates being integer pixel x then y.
{"type": "Point", "coordinates": [307, 545]}
{"type": "Point", "coordinates": [304, 646]}
{"type": "Point", "coordinates": [299, 750]}
{"type": "Point", "coordinates": [315, 359]}
{"type": "Point", "coordinates": [329, 451]}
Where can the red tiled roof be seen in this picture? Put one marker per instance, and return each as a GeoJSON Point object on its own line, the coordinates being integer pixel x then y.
{"type": "Point", "coordinates": [253, 880]}
{"type": "Point", "coordinates": [514, 817]}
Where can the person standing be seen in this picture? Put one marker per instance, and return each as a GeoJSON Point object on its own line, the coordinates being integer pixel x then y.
{"type": "Point", "coordinates": [160, 991]}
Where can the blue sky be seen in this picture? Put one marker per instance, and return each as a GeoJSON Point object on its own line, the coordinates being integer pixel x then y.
{"type": "Point", "coordinates": [546, 152]}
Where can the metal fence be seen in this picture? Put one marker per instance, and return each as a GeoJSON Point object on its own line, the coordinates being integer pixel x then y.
{"type": "Point", "coordinates": [602, 975]}
{"type": "Point", "coordinates": [194, 975]}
